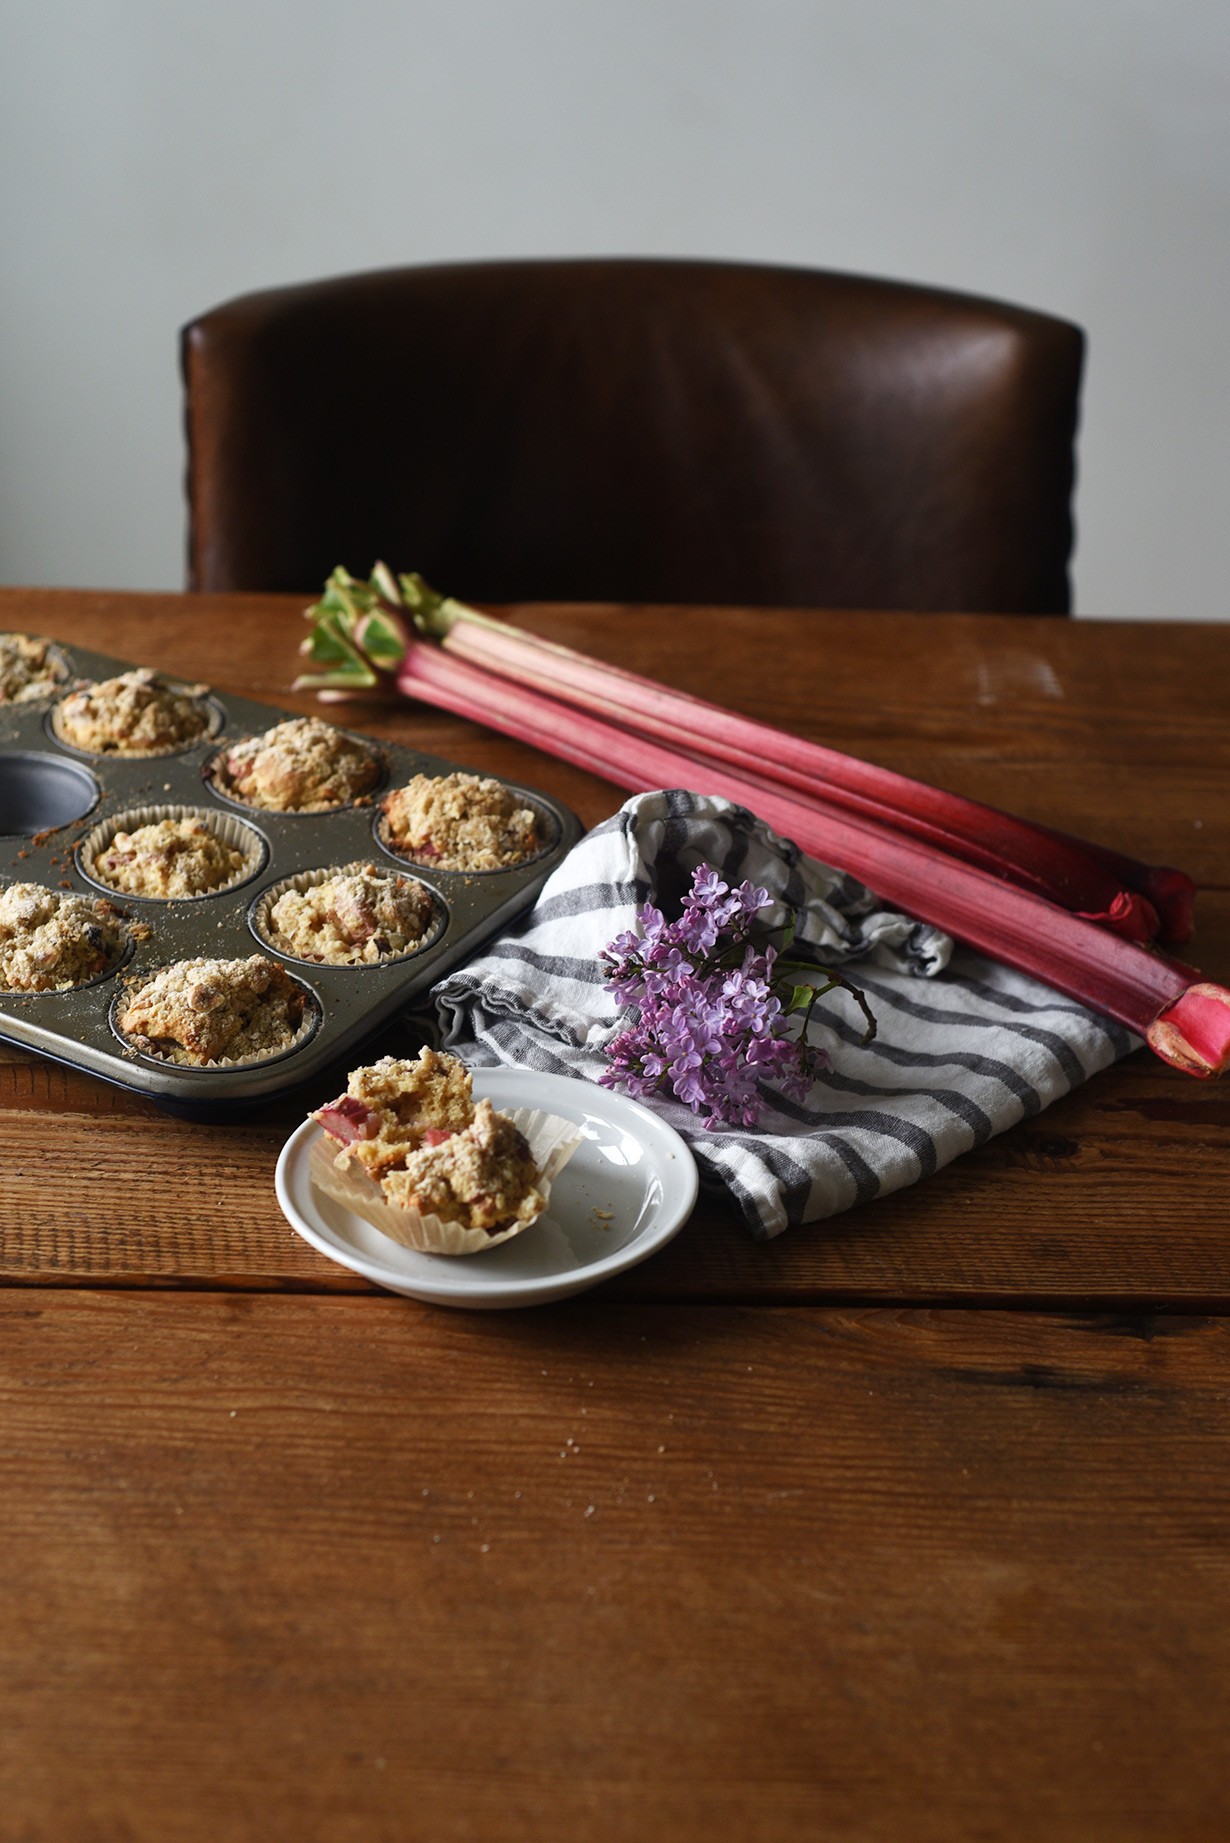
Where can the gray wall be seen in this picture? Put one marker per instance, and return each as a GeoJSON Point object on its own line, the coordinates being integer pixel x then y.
{"type": "Point", "coordinates": [157, 157]}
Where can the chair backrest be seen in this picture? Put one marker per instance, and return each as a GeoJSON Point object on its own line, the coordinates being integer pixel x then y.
{"type": "Point", "coordinates": [636, 430]}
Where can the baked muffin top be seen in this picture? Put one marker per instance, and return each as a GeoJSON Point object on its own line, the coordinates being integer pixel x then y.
{"type": "Point", "coordinates": [390, 1106]}
{"type": "Point", "coordinates": [358, 916]}
{"type": "Point", "coordinates": [483, 1177]}
{"type": "Point", "coordinates": [302, 765]}
{"type": "Point", "coordinates": [50, 942]}
{"type": "Point", "coordinates": [168, 858]}
{"type": "Point", "coordinates": [132, 714]}
{"type": "Point", "coordinates": [460, 822]}
{"type": "Point", "coordinates": [196, 1012]}
{"type": "Point", "coordinates": [28, 668]}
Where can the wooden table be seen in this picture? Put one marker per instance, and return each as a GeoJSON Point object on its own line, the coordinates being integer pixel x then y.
{"type": "Point", "coordinates": [910, 1525]}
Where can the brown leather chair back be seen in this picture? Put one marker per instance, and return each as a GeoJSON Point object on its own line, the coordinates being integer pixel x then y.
{"type": "Point", "coordinates": [636, 430]}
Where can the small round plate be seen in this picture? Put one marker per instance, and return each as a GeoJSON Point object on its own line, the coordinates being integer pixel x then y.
{"type": "Point", "coordinates": [627, 1190]}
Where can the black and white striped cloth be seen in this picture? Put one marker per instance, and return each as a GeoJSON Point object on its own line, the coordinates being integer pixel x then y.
{"type": "Point", "coordinates": [964, 1046]}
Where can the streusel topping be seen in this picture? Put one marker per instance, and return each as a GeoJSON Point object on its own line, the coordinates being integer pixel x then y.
{"type": "Point", "coordinates": [134, 714]}
{"type": "Point", "coordinates": [50, 942]}
{"type": "Point", "coordinates": [357, 917]}
{"type": "Point", "coordinates": [300, 766]}
{"type": "Point", "coordinates": [460, 822]}
{"type": "Point", "coordinates": [168, 858]}
{"type": "Point", "coordinates": [28, 668]}
{"type": "Point", "coordinates": [203, 1011]}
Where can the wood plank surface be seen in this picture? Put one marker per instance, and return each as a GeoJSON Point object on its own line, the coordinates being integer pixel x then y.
{"type": "Point", "coordinates": [1116, 1196]}
{"type": "Point", "coordinates": [360, 1570]}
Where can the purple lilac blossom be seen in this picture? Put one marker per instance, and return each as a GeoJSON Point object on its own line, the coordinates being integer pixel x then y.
{"type": "Point", "coordinates": [709, 1026]}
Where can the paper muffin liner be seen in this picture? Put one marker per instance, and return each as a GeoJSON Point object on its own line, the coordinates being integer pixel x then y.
{"type": "Point", "coordinates": [215, 723]}
{"type": "Point", "coordinates": [547, 825]}
{"type": "Point", "coordinates": [262, 909]}
{"type": "Point", "coordinates": [312, 1014]}
{"type": "Point", "coordinates": [214, 778]}
{"type": "Point", "coordinates": [230, 830]}
{"type": "Point", "coordinates": [552, 1142]}
{"type": "Point", "coordinates": [55, 664]}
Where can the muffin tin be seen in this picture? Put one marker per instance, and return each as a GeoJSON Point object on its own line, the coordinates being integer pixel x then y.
{"type": "Point", "coordinates": [53, 798]}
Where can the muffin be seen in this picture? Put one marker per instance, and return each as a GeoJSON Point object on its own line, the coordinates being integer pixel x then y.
{"type": "Point", "coordinates": [460, 822]}
{"type": "Point", "coordinates": [28, 668]}
{"type": "Point", "coordinates": [51, 942]}
{"type": "Point", "coordinates": [134, 714]}
{"type": "Point", "coordinates": [356, 916]}
{"type": "Point", "coordinates": [168, 858]}
{"type": "Point", "coordinates": [199, 1012]}
{"type": "Point", "coordinates": [300, 766]}
{"type": "Point", "coordinates": [407, 1148]}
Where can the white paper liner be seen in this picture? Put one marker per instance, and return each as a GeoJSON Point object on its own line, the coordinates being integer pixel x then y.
{"type": "Point", "coordinates": [307, 1027]}
{"type": "Point", "coordinates": [552, 1142]}
{"type": "Point", "coordinates": [214, 714]}
{"type": "Point", "coordinates": [230, 830]}
{"type": "Point", "coordinates": [262, 909]}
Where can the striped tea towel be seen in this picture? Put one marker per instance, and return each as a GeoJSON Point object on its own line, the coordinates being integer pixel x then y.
{"type": "Point", "coordinates": [964, 1046]}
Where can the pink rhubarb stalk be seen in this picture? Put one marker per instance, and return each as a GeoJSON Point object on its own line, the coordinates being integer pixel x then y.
{"type": "Point", "coordinates": [1185, 1019]}
{"type": "Point", "coordinates": [1133, 899]}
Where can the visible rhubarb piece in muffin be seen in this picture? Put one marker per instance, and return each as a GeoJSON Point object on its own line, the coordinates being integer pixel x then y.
{"type": "Point", "coordinates": [460, 822]}
{"type": "Point", "coordinates": [196, 1012]}
{"type": "Point", "coordinates": [51, 942]}
{"type": "Point", "coordinates": [358, 916]}
{"type": "Point", "coordinates": [483, 1177]}
{"type": "Point", "coordinates": [133, 714]}
{"type": "Point", "coordinates": [302, 765]}
{"type": "Point", "coordinates": [168, 858]}
{"type": "Point", "coordinates": [394, 1106]}
{"type": "Point", "coordinates": [28, 668]}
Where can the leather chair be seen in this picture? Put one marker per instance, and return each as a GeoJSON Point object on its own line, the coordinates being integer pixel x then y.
{"type": "Point", "coordinates": [636, 430]}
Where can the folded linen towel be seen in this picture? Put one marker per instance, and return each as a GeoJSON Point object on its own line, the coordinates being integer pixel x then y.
{"type": "Point", "coordinates": [964, 1047]}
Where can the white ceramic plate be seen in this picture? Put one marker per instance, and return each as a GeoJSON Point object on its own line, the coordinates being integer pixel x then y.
{"type": "Point", "coordinates": [628, 1188]}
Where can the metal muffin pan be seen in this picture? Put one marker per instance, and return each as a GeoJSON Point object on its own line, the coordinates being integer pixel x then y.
{"type": "Point", "coordinates": [51, 797]}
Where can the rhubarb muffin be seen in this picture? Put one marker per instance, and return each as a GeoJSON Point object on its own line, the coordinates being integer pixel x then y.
{"type": "Point", "coordinates": [136, 713]}
{"type": "Point", "coordinates": [29, 668]}
{"type": "Point", "coordinates": [168, 859]}
{"type": "Point", "coordinates": [355, 916]}
{"type": "Point", "coordinates": [200, 1012]}
{"type": "Point", "coordinates": [407, 1148]}
{"type": "Point", "coordinates": [302, 765]}
{"type": "Point", "coordinates": [51, 942]}
{"type": "Point", "coordinates": [460, 822]}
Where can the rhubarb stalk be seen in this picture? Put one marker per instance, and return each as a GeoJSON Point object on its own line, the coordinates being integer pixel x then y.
{"type": "Point", "coordinates": [362, 629]}
{"type": "Point", "coordinates": [1186, 1020]}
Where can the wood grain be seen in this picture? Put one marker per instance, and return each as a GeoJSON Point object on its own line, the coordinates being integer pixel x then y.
{"type": "Point", "coordinates": [355, 1569]}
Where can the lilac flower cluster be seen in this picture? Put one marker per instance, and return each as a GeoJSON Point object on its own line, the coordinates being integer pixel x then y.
{"type": "Point", "coordinates": [710, 1026]}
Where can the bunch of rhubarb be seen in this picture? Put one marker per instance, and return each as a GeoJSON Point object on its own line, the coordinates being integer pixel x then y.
{"type": "Point", "coordinates": [1089, 921]}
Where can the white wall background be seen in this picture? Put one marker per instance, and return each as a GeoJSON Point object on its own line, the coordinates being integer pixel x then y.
{"type": "Point", "coordinates": [157, 157]}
